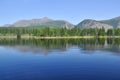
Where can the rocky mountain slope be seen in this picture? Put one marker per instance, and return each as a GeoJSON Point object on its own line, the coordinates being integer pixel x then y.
{"type": "Point", "coordinates": [87, 23]}
{"type": "Point", "coordinates": [107, 24]}
{"type": "Point", "coordinates": [41, 22]}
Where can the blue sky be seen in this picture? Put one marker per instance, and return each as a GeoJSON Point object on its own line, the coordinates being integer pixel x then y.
{"type": "Point", "coordinates": [73, 11]}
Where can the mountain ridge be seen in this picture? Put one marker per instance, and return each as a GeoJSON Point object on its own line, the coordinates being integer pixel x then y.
{"type": "Point", "coordinates": [41, 22]}
{"type": "Point", "coordinates": [87, 23]}
{"type": "Point", "coordinates": [107, 24]}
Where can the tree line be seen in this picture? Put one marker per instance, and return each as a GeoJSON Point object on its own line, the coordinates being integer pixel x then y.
{"type": "Point", "coordinates": [52, 32]}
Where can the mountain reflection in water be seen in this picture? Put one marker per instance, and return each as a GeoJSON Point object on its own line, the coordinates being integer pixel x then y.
{"type": "Point", "coordinates": [44, 46]}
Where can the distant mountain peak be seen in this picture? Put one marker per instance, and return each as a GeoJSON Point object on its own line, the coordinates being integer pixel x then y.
{"type": "Point", "coordinates": [45, 21]}
{"type": "Point", "coordinates": [45, 18]}
{"type": "Point", "coordinates": [89, 23]}
{"type": "Point", "coordinates": [117, 17]}
{"type": "Point", "coordinates": [114, 22]}
{"type": "Point", "coordinates": [107, 24]}
{"type": "Point", "coordinates": [89, 20]}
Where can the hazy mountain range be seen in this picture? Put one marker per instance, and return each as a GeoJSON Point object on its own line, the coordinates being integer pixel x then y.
{"type": "Point", "coordinates": [87, 23]}
{"type": "Point", "coordinates": [40, 23]}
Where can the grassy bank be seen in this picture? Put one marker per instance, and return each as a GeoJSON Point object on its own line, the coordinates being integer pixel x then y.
{"type": "Point", "coordinates": [63, 37]}
{"type": "Point", "coordinates": [58, 37]}
{"type": "Point", "coordinates": [75, 37]}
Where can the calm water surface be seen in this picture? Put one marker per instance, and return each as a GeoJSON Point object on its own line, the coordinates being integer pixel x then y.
{"type": "Point", "coordinates": [81, 59]}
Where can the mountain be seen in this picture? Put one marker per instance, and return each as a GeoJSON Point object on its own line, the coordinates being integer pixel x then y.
{"type": "Point", "coordinates": [41, 22]}
{"type": "Point", "coordinates": [107, 24]}
{"type": "Point", "coordinates": [59, 23]}
{"type": "Point", "coordinates": [115, 22]}
{"type": "Point", "coordinates": [89, 23]}
{"type": "Point", "coordinates": [24, 23]}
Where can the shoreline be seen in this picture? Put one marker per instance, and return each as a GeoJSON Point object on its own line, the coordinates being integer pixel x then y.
{"type": "Point", "coordinates": [58, 37]}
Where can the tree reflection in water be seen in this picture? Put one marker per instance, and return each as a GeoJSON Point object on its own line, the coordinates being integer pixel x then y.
{"type": "Point", "coordinates": [46, 45]}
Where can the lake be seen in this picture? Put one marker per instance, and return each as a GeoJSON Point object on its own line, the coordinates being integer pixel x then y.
{"type": "Point", "coordinates": [60, 59]}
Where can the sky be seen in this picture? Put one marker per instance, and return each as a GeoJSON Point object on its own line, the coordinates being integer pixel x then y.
{"type": "Point", "coordinates": [73, 11]}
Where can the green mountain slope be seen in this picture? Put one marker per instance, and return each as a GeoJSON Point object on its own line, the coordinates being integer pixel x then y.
{"type": "Point", "coordinates": [41, 23]}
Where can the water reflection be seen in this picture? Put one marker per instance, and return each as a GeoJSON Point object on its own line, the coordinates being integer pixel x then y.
{"type": "Point", "coordinates": [81, 59]}
{"type": "Point", "coordinates": [44, 46]}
